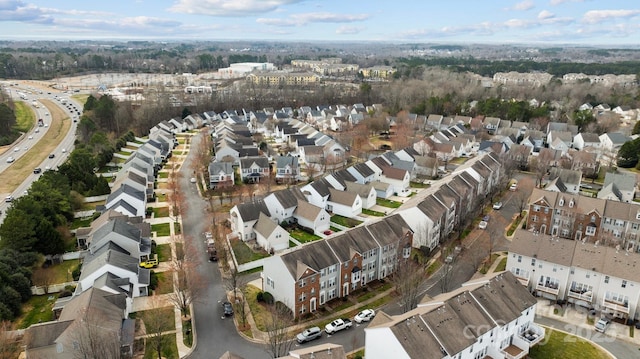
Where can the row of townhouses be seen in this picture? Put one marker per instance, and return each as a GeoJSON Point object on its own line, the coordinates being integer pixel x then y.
{"type": "Point", "coordinates": [423, 221]}
{"type": "Point", "coordinates": [587, 274]}
{"type": "Point", "coordinates": [306, 278]}
{"type": "Point", "coordinates": [111, 276]}
{"type": "Point", "coordinates": [491, 317]}
{"type": "Point", "coordinates": [595, 220]}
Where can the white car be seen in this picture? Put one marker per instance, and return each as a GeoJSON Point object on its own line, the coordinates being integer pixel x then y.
{"type": "Point", "coordinates": [64, 150]}
{"type": "Point", "coordinates": [10, 159]}
{"type": "Point", "coordinates": [482, 225]}
{"type": "Point", "coordinates": [513, 187]}
{"type": "Point", "coordinates": [497, 205]}
{"type": "Point", "coordinates": [30, 137]}
{"type": "Point", "coordinates": [193, 180]}
{"type": "Point", "coordinates": [602, 325]}
{"type": "Point", "coordinates": [364, 316]}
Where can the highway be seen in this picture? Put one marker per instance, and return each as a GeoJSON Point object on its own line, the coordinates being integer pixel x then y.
{"type": "Point", "coordinates": [25, 143]}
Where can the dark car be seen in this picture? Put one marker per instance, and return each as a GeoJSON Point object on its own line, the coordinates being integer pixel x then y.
{"type": "Point", "coordinates": [228, 309]}
{"type": "Point", "coordinates": [37, 170]}
{"type": "Point", "coordinates": [52, 155]}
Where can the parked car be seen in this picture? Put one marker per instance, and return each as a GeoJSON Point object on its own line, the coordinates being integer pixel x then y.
{"type": "Point", "coordinates": [513, 187]}
{"type": "Point", "coordinates": [497, 205]}
{"type": "Point", "coordinates": [193, 180]}
{"type": "Point", "coordinates": [338, 325]}
{"type": "Point", "coordinates": [228, 309]}
{"type": "Point", "coordinates": [482, 225]}
{"type": "Point", "coordinates": [602, 325]}
{"type": "Point", "coordinates": [309, 334]}
{"type": "Point", "coordinates": [364, 316]}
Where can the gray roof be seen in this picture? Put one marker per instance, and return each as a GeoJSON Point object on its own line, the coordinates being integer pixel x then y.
{"type": "Point", "coordinates": [283, 161]}
{"type": "Point", "coordinates": [358, 240]}
{"type": "Point", "coordinates": [617, 138]}
{"type": "Point", "coordinates": [623, 181]}
{"type": "Point", "coordinates": [342, 176]}
{"type": "Point", "coordinates": [250, 211]}
{"type": "Point", "coordinates": [126, 205]}
{"type": "Point", "coordinates": [265, 226]}
{"type": "Point", "coordinates": [217, 167]}
{"type": "Point", "coordinates": [321, 186]}
{"type": "Point", "coordinates": [125, 188]}
{"type": "Point", "coordinates": [389, 230]}
{"type": "Point", "coordinates": [45, 334]}
{"type": "Point", "coordinates": [108, 254]}
{"type": "Point", "coordinates": [363, 169]}
{"type": "Point", "coordinates": [246, 162]}
{"type": "Point", "coordinates": [289, 197]}
{"type": "Point", "coordinates": [342, 197]}
{"type": "Point", "coordinates": [362, 189]}
{"type": "Point", "coordinates": [307, 210]}
{"type": "Point", "coordinates": [317, 256]}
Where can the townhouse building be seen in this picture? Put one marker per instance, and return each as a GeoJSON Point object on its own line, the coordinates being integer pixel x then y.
{"type": "Point", "coordinates": [487, 318]}
{"type": "Point", "coordinates": [586, 274]}
{"type": "Point", "coordinates": [594, 220]}
{"type": "Point", "coordinates": [311, 275]}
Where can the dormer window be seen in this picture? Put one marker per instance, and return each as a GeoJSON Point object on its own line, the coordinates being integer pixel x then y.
{"type": "Point", "coordinates": [561, 203]}
{"type": "Point", "coordinates": [571, 203]}
{"type": "Point", "coordinates": [638, 215]}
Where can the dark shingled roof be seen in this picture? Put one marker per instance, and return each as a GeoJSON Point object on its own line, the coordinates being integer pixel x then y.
{"type": "Point", "coordinates": [363, 169]}
{"type": "Point", "coordinates": [289, 197]}
{"type": "Point", "coordinates": [250, 211]}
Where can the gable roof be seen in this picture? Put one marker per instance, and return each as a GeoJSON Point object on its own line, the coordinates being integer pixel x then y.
{"type": "Point", "coordinates": [260, 161]}
{"type": "Point", "coordinates": [342, 197]}
{"type": "Point", "coordinates": [265, 226]}
{"type": "Point", "coordinates": [250, 211]}
{"type": "Point", "coordinates": [289, 197]}
{"type": "Point", "coordinates": [307, 210]}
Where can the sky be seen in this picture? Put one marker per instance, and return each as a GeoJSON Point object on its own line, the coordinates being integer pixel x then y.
{"type": "Point", "coordinates": [583, 22]}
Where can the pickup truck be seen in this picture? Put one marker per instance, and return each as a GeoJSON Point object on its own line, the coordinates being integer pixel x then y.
{"type": "Point", "coordinates": [338, 325]}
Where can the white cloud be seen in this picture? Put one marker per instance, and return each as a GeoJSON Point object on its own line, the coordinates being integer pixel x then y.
{"type": "Point", "coordinates": [558, 2]}
{"type": "Point", "coordinates": [229, 7]}
{"type": "Point", "coordinates": [512, 23]}
{"type": "Point", "coordinates": [596, 16]}
{"type": "Point", "coordinates": [312, 17]}
{"type": "Point", "coordinates": [544, 14]}
{"type": "Point", "coordinates": [524, 5]}
{"type": "Point", "coordinates": [348, 30]}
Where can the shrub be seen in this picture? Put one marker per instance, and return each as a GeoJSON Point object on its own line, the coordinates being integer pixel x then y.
{"type": "Point", "coordinates": [153, 280]}
{"type": "Point", "coordinates": [268, 297]}
{"type": "Point", "coordinates": [260, 297]}
{"type": "Point", "coordinates": [76, 273]}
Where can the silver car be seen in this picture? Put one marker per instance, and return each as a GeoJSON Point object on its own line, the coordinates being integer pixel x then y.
{"type": "Point", "coordinates": [309, 334]}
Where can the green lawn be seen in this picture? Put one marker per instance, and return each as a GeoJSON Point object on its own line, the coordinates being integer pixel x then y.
{"type": "Point", "coordinates": [388, 203]}
{"type": "Point", "coordinates": [244, 254]}
{"type": "Point", "coordinates": [77, 223]}
{"type": "Point", "coordinates": [169, 351]}
{"type": "Point", "coordinates": [560, 345]}
{"type": "Point", "coordinates": [165, 283]}
{"type": "Point", "coordinates": [167, 312]}
{"type": "Point", "coordinates": [372, 213]}
{"type": "Point", "coordinates": [418, 185]}
{"type": "Point", "coordinates": [161, 197]}
{"type": "Point", "coordinates": [258, 310]}
{"type": "Point", "coordinates": [344, 221]}
{"type": "Point", "coordinates": [334, 229]}
{"type": "Point", "coordinates": [62, 271]}
{"type": "Point", "coordinates": [164, 252]}
{"type": "Point", "coordinates": [37, 309]}
{"type": "Point", "coordinates": [163, 174]}
{"type": "Point", "coordinates": [159, 212]}
{"type": "Point", "coordinates": [502, 265]}
{"type": "Point", "coordinates": [303, 236]}
{"type": "Point", "coordinates": [292, 244]}
{"type": "Point", "coordinates": [161, 229]}
{"type": "Point", "coordinates": [25, 117]}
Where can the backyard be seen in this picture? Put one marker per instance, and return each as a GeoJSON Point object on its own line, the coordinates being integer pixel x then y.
{"type": "Point", "coordinates": [388, 203]}
{"type": "Point", "coordinates": [38, 309]}
{"type": "Point", "coordinates": [161, 229]}
{"type": "Point", "coordinates": [344, 221]}
{"type": "Point", "coordinates": [244, 254]}
{"type": "Point", "coordinates": [302, 236]}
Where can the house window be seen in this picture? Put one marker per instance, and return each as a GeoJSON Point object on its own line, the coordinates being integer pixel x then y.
{"type": "Point", "coordinates": [606, 279]}
{"type": "Point", "coordinates": [624, 284]}
{"type": "Point", "coordinates": [591, 231]}
{"type": "Point", "coordinates": [533, 261]}
{"type": "Point", "coordinates": [406, 252]}
{"type": "Point", "coordinates": [519, 259]}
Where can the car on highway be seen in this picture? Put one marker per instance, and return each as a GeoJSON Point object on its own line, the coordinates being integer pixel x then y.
{"type": "Point", "coordinates": [52, 155]}
{"type": "Point", "coordinates": [497, 205]}
{"type": "Point", "coordinates": [37, 170]}
{"type": "Point", "coordinates": [228, 309]}
{"type": "Point", "coordinates": [10, 159]}
{"type": "Point", "coordinates": [8, 199]}
{"type": "Point", "coordinates": [16, 149]}
{"type": "Point", "coordinates": [30, 137]}
{"type": "Point", "coordinates": [309, 334]}
{"type": "Point", "coordinates": [364, 316]}
{"type": "Point", "coordinates": [64, 150]}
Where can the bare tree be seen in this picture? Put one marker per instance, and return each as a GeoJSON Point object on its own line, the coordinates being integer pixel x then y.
{"type": "Point", "coordinates": [95, 336]}
{"type": "Point", "coordinates": [9, 343]}
{"type": "Point", "coordinates": [188, 284]}
{"type": "Point", "coordinates": [155, 324]}
{"type": "Point", "coordinates": [409, 279]}
{"type": "Point", "coordinates": [279, 338]}
{"type": "Point", "coordinates": [44, 278]}
{"type": "Point", "coordinates": [446, 272]}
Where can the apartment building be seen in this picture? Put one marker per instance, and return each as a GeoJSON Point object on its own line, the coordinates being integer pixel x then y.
{"type": "Point", "coordinates": [488, 318]}
{"type": "Point", "coordinates": [309, 276]}
{"type": "Point", "coordinates": [586, 274]}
